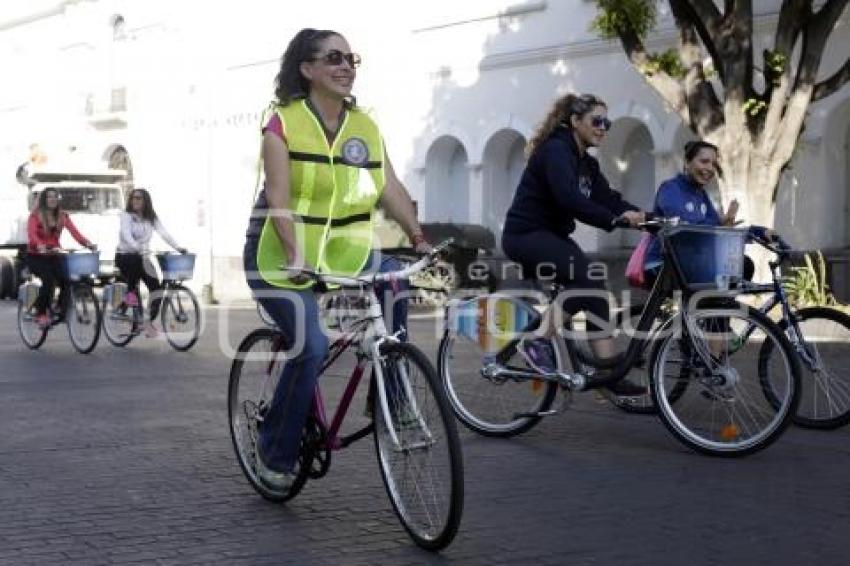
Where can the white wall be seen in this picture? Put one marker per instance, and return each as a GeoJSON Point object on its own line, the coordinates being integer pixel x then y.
{"type": "Point", "coordinates": [198, 75]}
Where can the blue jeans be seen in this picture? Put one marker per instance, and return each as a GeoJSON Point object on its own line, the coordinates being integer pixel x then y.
{"type": "Point", "coordinates": [280, 433]}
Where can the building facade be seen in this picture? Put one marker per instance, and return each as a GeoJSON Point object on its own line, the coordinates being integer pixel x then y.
{"type": "Point", "coordinates": [176, 92]}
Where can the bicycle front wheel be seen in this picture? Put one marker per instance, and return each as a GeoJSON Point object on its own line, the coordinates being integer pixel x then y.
{"type": "Point", "coordinates": [492, 408]}
{"type": "Point", "coordinates": [119, 323]}
{"type": "Point", "coordinates": [83, 318]}
{"type": "Point", "coordinates": [181, 318]}
{"type": "Point", "coordinates": [31, 333]}
{"type": "Point", "coordinates": [824, 348]}
{"type": "Point", "coordinates": [418, 447]}
{"type": "Point", "coordinates": [254, 376]}
{"type": "Point", "coordinates": [722, 410]}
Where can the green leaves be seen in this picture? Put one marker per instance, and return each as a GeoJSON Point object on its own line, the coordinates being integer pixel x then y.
{"type": "Point", "coordinates": [807, 287]}
{"type": "Point", "coordinates": [754, 106]}
{"type": "Point", "coordinates": [667, 62]}
{"type": "Point", "coordinates": [618, 16]}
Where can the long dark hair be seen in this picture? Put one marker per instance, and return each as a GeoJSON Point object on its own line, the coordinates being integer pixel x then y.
{"type": "Point", "coordinates": [565, 108]}
{"type": "Point", "coordinates": [290, 84]}
{"type": "Point", "coordinates": [148, 213]}
{"type": "Point", "coordinates": [45, 214]}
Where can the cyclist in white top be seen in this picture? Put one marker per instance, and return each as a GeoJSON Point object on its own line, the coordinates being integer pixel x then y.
{"type": "Point", "coordinates": [138, 223]}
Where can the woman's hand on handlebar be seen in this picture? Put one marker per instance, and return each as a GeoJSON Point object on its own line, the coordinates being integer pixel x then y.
{"type": "Point", "coordinates": [632, 218]}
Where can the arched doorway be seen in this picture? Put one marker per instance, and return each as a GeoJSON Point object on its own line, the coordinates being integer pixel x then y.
{"type": "Point", "coordinates": [628, 162]}
{"type": "Point", "coordinates": [504, 161]}
{"type": "Point", "coordinates": [117, 157]}
{"type": "Point", "coordinates": [446, 197]}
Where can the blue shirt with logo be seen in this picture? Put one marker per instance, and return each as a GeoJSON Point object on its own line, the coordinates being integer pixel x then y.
{"type": "Point", "coordinates": [681, 197]}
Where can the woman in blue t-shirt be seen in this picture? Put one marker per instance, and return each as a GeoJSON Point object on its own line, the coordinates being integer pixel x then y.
{"type": "Point", "coordinates": [684, 196]}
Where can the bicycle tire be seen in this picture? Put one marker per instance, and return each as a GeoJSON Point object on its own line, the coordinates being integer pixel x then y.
{"type": "Point", "coordinates": [31, 334]}
{"type": "Point", "coordinates": [242, 421]}
{"type": "Point", "coordinates": [486, 407]}
{"type": "Point", "coordinates": [173, 315]}
{"type": "Point", "coordinates": [82, 305]}
{"type": "Point", "coordinates": [423, 424]}
{"type": "Point", "coordinates": [114, 335]}
{"type": "Point", "coordinates": [721, 400]}
{"type": "Point", "coordinates": [819, 385]}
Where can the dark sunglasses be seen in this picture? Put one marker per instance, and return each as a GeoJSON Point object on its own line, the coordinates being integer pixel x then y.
{"type": "Point", "coordinates": [601, 122]}
{"type": "Point", "coordinates": [335, 57]}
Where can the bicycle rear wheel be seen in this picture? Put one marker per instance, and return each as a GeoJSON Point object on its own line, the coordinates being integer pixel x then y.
{"type": "Point", "coordinates": [83, 317]}
{"type": "Point", "coordinates": [491, 408]}
{"type": "Point", "coordinates": [723, 410]}
{"type": "Point", "coordinates": [119, 323]}
{"type": "Point", "coordinates": [253, 378]}
{"type": "Point", "coordinates": [418, 447]}
{"type": "Point", "coordinates": [825, 384]}
{"type": "Point", "coordinates": [181, 317]}
{"type": "Point", "coordinates": [31, 333]}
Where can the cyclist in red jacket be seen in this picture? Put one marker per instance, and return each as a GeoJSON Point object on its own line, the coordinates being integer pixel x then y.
{"type": "Point", "coordinates": [44, 228]}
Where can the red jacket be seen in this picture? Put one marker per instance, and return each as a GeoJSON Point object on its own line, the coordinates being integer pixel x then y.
{"type": "Point", "coordinates": [38, 235]}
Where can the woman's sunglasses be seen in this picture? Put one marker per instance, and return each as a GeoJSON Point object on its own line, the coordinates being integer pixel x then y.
{"type": "Point", "coordinates": [601, 122]}
{"type": "Point", "coordinates": [335, 57]}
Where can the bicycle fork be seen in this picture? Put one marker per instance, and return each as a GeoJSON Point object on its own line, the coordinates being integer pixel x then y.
{"type": "Point", "coordinates": [402, 385]}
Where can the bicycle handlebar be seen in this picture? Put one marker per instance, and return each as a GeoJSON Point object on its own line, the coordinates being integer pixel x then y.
{"type": "Point", "coordinates": [360, 280]}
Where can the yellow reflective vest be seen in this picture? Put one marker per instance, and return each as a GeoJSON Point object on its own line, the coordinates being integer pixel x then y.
{"type": "Point", "coordinates": [333, 193]}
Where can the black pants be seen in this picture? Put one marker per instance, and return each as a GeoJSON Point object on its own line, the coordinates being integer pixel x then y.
{"type": "Point", "coordinates": [544, 255]}
{"type": "Point", "coordinates": [132, 268]}
{"type": "Point", "coordinates": [48, 269]}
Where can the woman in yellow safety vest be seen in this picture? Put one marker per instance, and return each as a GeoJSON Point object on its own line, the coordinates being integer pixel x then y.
{"type": "Point", "coordinates": [326, 171]}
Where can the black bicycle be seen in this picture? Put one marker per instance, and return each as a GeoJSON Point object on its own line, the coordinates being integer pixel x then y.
{"type": "Point", "coordinates": [80, 312]}
{"type": "Point", "coordinates": [708, 386]}
{"type": "Point", "coordinates": [180, 312]}
{"type": "Point", "coordinates": [820, 336]}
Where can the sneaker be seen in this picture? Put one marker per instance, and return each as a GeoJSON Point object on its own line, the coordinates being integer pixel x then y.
{"type": "Point", "coordinates": [625, 388]}
{"type": "Point", "coordinates": [538, 354]}
{"type": "Point", "coordinates": [278, 481]}
{"type": "Point", "coordinates": [151, 330]}
{"type": "Point", "coordinates": [42, 320]}
{"type": "Point", "coordinates": [131, 299]}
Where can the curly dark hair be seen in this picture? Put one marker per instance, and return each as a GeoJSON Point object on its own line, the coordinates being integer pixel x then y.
{"type": "Point", "coordinates": [148, 213]}
{"type": "Point", "coordinates": [290, 84]}
{"type": "Point", "coordinates": [565, 107]}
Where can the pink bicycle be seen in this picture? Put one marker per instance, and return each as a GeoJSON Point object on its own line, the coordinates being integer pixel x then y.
{"type": "Point", "coordinates": [415, 436]}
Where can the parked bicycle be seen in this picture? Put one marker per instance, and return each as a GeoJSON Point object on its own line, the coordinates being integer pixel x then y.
{"type": "Point", "coordinates": [180, 313]}
{"type": "Point", "coordinates": [415, 436]}
{"type": "Point", "coordinates": [81, 311]}
{"type": "Point", "coordinates": [710, 400]}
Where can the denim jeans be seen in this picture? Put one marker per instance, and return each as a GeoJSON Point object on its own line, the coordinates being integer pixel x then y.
{"type": "Point", "coordinates": [282, 426]}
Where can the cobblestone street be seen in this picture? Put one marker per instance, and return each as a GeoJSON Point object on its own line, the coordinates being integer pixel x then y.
{"type": "Point", "coordinates": [124, 456]}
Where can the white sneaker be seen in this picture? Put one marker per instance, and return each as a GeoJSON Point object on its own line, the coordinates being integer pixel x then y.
{"type": "Point", "coordinates": [278, 481]}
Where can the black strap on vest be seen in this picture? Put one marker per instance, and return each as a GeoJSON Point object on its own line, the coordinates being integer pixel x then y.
{"type": "Point", "coordinates": [319, 158]}
{"type": "Point", "coordinates": [335, 222]}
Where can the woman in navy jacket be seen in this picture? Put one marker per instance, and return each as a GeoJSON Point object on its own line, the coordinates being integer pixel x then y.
{"type": "Point", "coordinates": [562, 183]}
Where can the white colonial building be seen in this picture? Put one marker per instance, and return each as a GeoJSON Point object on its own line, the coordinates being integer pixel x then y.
{"type": "Point", "coordinates": [176, 90]}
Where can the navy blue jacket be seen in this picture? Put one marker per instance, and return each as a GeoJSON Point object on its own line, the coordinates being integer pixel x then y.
{"type": "Point", "coordinates": [558, 187]}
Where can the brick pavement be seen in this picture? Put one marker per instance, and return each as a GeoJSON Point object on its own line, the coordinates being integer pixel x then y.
{"type": "Point", "coordinates": [124, 457]}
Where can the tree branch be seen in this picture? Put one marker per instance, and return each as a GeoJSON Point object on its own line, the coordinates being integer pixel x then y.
{"type": "Point", "coordinates": [833, 83]}
{"type": "Point", "coordinates": [705, 18]}
{"type": "Point", "coordinates": [703, 104]}
{"type": "Point", "coordinates": [668, 88]}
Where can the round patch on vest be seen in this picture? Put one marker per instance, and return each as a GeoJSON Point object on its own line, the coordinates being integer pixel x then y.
{"type": "Point", "coordinates": [689, 206]}
{"type": "Point", "coordinates": [355, 152]}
